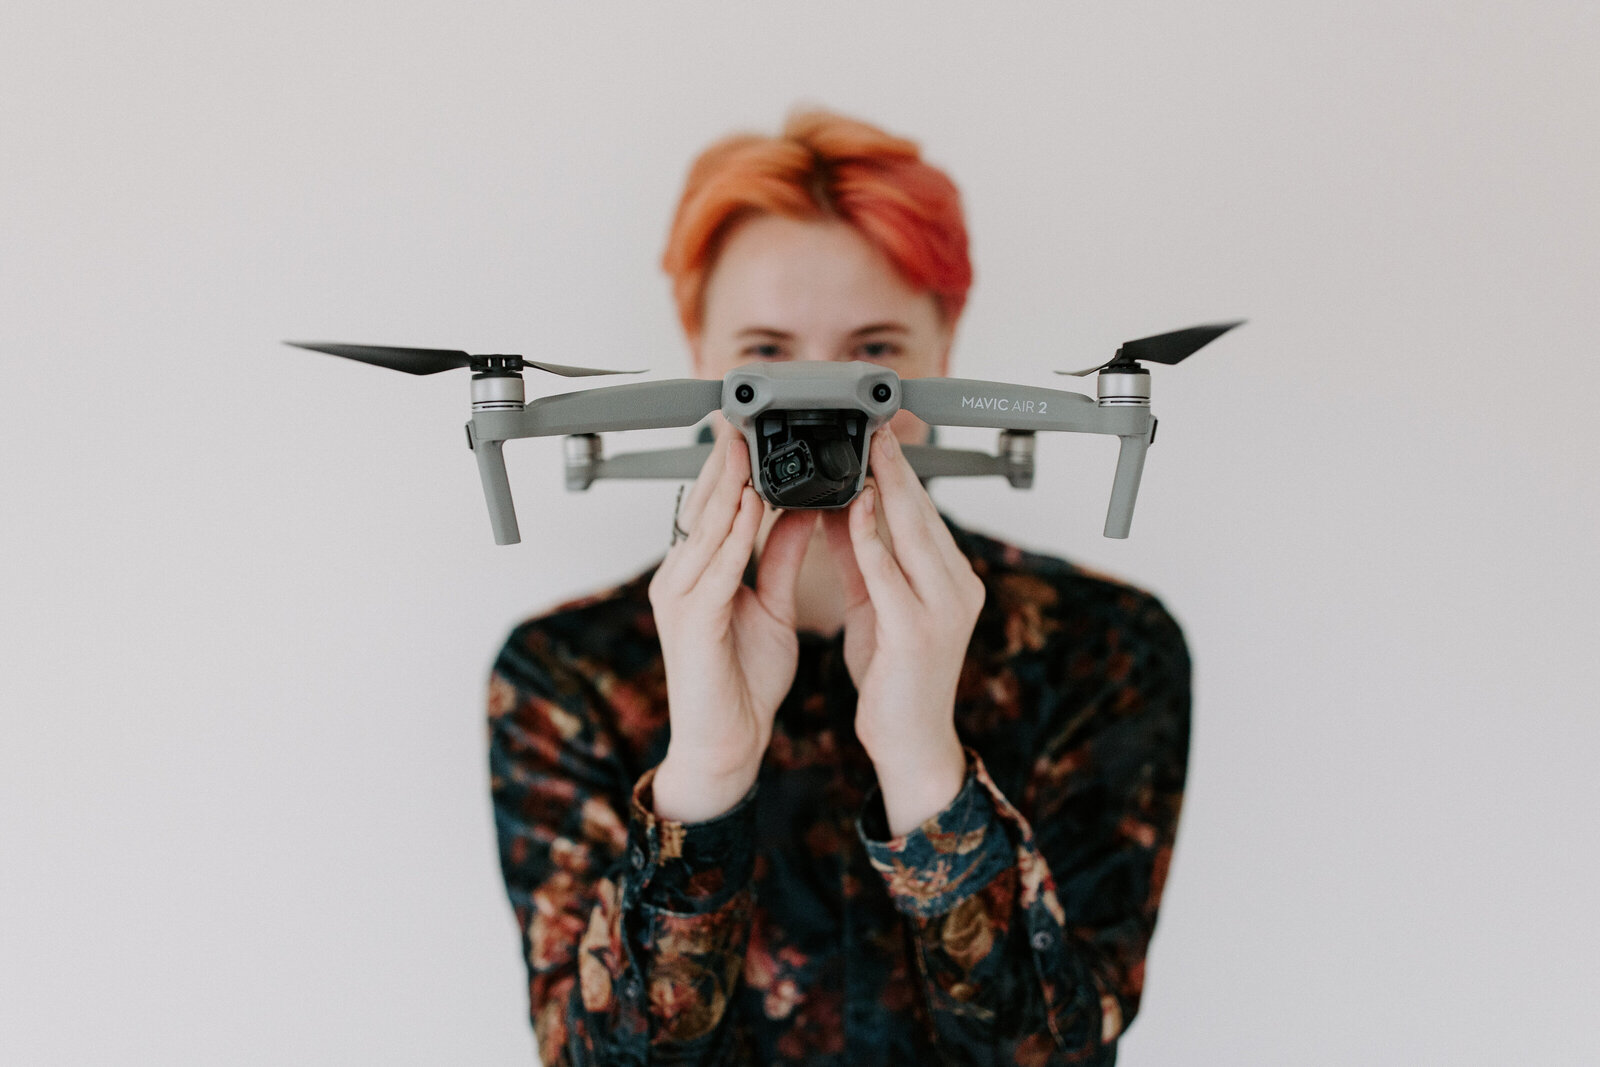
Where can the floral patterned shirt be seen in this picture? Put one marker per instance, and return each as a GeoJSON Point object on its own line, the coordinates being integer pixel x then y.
{"type": "Point", "coordinates": [1009, 928]}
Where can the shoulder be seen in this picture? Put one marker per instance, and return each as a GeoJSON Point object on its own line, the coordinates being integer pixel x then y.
{"type": "Point", "coordinates": [1078, 682]}
{"type": "Point", "coordinates": [610, 631]}
{"type": "Point", "coordinates": [586, 674]}
{"type": "Point", "coordinates": [1036, 601]}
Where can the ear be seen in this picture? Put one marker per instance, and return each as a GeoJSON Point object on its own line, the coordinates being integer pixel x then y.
{"type": "Point", "coordinates": [947, 338]}
{"type": "Point", "coordinates": [944, 339]}
{"type": "Point", "coordinates": [696, 356]}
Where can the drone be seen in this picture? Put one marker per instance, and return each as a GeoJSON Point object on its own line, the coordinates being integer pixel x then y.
{"type": "Point", "coordinates": [808, 425]}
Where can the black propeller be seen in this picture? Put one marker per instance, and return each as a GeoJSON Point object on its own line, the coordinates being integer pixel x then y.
{"type": "Point", "coordinates": [1168, 348]}
{"type": "Point", "coordinates": [434, 360]}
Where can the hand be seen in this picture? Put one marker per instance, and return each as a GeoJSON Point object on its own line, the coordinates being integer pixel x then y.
{"type": "Point", "coordinates": [912, 600]}
{"type": "Point", "coordinates": [730, 651]}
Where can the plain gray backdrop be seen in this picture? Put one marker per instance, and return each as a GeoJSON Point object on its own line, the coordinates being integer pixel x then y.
{"type": "Point", "coordinates": [250, 596]}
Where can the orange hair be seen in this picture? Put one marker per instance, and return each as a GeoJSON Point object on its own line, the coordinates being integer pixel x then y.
{"type": "Point", "coordinates": [822, 166]}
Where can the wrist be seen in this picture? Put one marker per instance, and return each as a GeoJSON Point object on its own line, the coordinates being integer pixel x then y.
{"type": "Point", "coordinates": [919, 782]}
{"type": "Point", "coordinates": [905, 740]}
{"type": "Point", "coordinates": [893, 720]}
{"type": "Point", "coordinates": [689, 789]}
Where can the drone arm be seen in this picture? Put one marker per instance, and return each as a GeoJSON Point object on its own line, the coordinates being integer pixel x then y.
{"type": "Point", "coordinates": [496, 488]}
{"type": "Point", "coordinates": [639, 406]}
{"type": "Point", "coordinates": [1125, 485]}
{"type": "Point", "coordinates": [931, 461]}
{"type": "Point", "coordinates": [966, 402]}
{"type": "Point", "coordinates": [962, 402]}
{"type": "Point", "coordinates": [682, 464]}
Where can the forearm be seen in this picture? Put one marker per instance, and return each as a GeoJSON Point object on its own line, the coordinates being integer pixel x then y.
{"type": "Point", "coordinates": [640, 965]}
{"type": "Point", "coordinates": [649, 987]}
{"type": "Point", "coordinates": [1005, 984]}
{"type": "Point", "coordinates": [1004, 977]}
{"type": "Point", "coordinates": [690, 898]}
{"type": "Point", "coordinates": [697, 789]}
{"type": "Point", "coordinates": [919, 778]}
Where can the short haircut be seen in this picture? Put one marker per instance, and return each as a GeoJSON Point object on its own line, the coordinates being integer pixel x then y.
{"type": "Point", "coordinates": [823, 166]}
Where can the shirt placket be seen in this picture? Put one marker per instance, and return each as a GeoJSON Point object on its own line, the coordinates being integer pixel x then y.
{"type": "Point", "coordinates": [865, 1028]}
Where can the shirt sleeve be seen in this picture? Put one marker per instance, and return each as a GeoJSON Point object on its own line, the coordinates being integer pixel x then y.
{"type": "Point", "coordinates": [1031, 930]}
{"type": "Point", "coordinates": [634, 927]}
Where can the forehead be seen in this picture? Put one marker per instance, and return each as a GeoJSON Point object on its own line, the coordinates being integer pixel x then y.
{"type": "Point", "coordinates": [791, 274]}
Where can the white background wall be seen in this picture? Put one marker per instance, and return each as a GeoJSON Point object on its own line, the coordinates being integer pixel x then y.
{"type": "Point", "coordinates": [250, 597]}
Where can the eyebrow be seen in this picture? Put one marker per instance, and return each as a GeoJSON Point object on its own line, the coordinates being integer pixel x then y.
{"type": "Point", "coordinates": [882, 327]}
{"type": "Point", "coordinates": [876, 327]}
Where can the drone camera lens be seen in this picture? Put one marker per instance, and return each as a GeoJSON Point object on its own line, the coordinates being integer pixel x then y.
{"type": "Point", "coordinates": [881, 392]}
{"type": "Point", "coordinates": [744, 393]}
{"type": "Point", "coordinates": [788, 465]}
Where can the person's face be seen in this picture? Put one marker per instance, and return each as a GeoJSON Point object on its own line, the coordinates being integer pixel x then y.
{"type": "Point", "coordinates": [784, 289]}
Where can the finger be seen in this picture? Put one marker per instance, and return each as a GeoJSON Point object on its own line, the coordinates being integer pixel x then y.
{"type": "Point", "coordinates": [938, 529]}
{"type": "Point", "coordinates": [695, 500]}
{"type": "Point", "coordinates": [712, 524]}
{"type": "Point", "coordinates": [725, 570]}
{"type": "Point", "coordinates": [836, 525]}
{"type": "Point", "coordinates": [778, 573]}
{"type": "Point", "coordinates": [886, 583]}
{"type": "Point", "coordinates": [911, 522]}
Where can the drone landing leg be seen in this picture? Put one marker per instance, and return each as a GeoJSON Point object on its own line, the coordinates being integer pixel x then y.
{"type": "Point", "coordinates": [1125, 486]}
{"type": "Point", "coordinates": [497, 491]}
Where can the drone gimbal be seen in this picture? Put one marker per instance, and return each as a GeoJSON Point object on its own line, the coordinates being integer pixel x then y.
{"type": "Point", "coordinates": [808, 424]}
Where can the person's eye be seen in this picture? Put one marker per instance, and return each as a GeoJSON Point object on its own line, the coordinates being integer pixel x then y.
{"type": "Point", "coordinates": [764, 350]}
{"type": "Point", "coordinates": [877, 349]}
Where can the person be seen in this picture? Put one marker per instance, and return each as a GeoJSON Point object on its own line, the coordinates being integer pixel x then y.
{"type": "Point", "coordinates": [857, 786]}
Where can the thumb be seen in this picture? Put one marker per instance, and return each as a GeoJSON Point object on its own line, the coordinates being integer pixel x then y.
{"type": "Point", "coordinates": [778, 572]}
{"type": "Point", "coordinates": [836, 524]}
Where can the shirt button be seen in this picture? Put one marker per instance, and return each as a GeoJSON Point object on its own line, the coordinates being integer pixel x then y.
{"type": "Point", "coordinates": [630, 988]}
{"type": "Point", "coordinates": [636, 857]}
{"type": "Point", "coordinates": [1042, 940]}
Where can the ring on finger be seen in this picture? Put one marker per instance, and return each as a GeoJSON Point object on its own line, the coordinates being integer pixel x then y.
{"type": "Point", "coordinates": [678, 532]}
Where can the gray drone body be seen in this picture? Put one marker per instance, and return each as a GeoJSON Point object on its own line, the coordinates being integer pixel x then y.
{"type": "Point", "coordinates": [808, 425]}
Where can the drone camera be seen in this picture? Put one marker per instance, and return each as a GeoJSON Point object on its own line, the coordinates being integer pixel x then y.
{"type": "Point", "coordinates": [811, 459]}
{"type": "Point", "coordinates": [807, 424]}
{"type": "Point", "coordinates": [789, 464]}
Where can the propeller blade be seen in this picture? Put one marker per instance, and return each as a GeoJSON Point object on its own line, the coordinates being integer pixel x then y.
{"type": "Point", "coordinates": [1175, 347]}
{"type": "Point", "coordinates": [434, 360]}
{"type": "Point", "coordinates": [1168, 348]}
{"type": "Point", "coordinates": [410, 360]}
{"type": "Point", "coordinates": [573, 372]}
